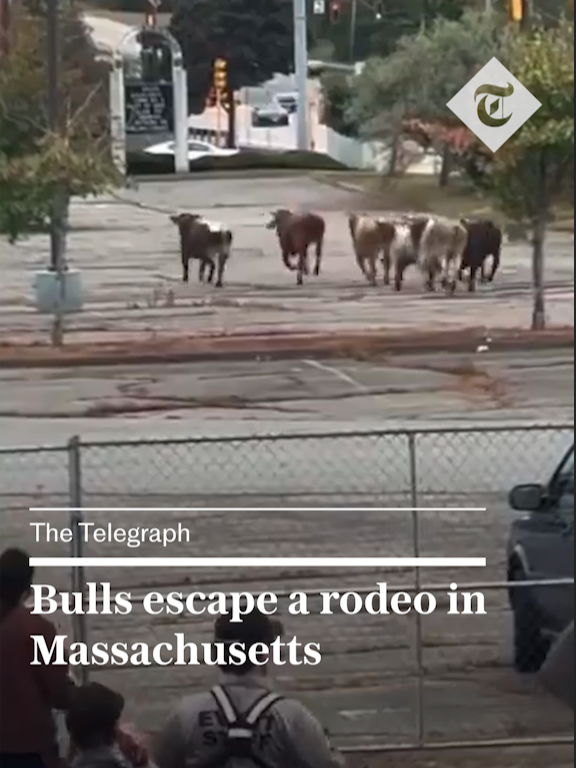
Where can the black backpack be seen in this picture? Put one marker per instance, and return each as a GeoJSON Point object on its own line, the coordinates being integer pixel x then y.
{"type": "Point", "coordinates": [241, 729]}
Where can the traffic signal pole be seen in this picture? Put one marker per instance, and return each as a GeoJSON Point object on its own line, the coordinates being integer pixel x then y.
{"type": "Point", "coordinates": [301, 72]}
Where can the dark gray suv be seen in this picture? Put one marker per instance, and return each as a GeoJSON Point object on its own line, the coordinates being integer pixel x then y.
{"type": "Point", "coordinates": [541, 548]}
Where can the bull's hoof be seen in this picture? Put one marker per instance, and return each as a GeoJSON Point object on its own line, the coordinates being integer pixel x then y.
{"type": "Point", "coordinates": [316, 271]}
{"type": "Point", "coordinates": [219, 284]}
{"type": "Point", "coordinates": [299, 280]}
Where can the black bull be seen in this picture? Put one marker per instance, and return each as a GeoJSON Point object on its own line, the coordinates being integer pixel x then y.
{"type": "Point", "coordinates": [484, 240]}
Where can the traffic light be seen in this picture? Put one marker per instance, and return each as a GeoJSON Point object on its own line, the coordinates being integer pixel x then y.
{"type": "Point", "coordinates": [517, 10]}
{"type": "Point", "coordinates": [221, 75]}
{"type": "Point", "coordinates": [334, 11]}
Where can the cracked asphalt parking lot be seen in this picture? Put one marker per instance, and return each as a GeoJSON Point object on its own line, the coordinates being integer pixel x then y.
{"type": "Point", "coordinates": [127, 251]}
{"type": "Point", "coordinates": [365, 689]}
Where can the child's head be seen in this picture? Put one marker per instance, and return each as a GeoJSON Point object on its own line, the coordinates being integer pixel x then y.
{"type": "Point", "coordinates": [16, 575]}
{"type": "Point", "coordinates": [93, 716]}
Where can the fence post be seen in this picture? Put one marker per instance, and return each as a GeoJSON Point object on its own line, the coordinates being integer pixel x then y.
{"type": "Point", "coordinates": [420, 727]}
{"type": "Point", "coordinates": [76, 517]}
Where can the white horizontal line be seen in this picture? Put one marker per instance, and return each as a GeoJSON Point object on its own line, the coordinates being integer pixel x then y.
{"type": "Point", "coordinates": [260, 562]}
{"type": "Point", "coordinates": [257, 509]}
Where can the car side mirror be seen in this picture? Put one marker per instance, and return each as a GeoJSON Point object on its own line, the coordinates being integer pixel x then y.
{"type": "Point", "coordinates": [527, 498]}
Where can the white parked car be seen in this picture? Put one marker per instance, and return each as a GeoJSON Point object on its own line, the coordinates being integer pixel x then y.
{"type": "Point", "coordinates": [197, 150]}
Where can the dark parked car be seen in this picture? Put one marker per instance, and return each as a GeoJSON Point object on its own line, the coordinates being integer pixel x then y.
{"type": "Point", "coordinates": [541, 548]}
{"type": "Point", "coordinates": [270, 116]}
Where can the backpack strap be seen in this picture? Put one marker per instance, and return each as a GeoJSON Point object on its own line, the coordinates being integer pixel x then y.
{"type": "Point", "coordinates": [225, 704]}
{"type": "Point", "coordinates": [241, 728]}
{"type": "Point", "coordinates": [260, 708]}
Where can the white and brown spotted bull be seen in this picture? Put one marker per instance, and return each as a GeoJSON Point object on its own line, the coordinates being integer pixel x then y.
{"type": "Point", "coordinates": [204, 241]}
{"type": "Point", "coordinates": [374, 238]}
{"type": "Point", "coordinates": [440, 245]}
{"type": "Point", "coordinates": [296, 233]}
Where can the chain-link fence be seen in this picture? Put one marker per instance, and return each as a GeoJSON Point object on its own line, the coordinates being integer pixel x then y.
{"type": "Point", "coordinates": [392, 680]}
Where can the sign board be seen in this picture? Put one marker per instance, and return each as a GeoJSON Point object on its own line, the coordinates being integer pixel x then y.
{"type": "Point", "coordinates": [319, 7]}
{"type": "Point", "coordinates": [149, 107]}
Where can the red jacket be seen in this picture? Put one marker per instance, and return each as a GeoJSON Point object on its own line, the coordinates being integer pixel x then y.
{"type": "Point", "coordinates": [28, 694]}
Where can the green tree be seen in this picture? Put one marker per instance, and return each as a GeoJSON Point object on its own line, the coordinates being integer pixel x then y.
{"type": "Point", "coordinates": [372, 28]}
{"type": "Point", "coordinates": [413, 85]}
{"type": "Point", "coordinates": [36, 165]}
{"type": "Point", "coordinates": [534, 171]}
{"type": "Point", "coordinates": [337, 94]}
{"type": "Point", "coordinates": [254, 36]}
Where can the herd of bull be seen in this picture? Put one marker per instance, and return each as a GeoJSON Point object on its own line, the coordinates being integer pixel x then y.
{"type": "Point", "coordinates": [443, 250]}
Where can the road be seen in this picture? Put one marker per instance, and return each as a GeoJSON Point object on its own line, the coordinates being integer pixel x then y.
{"type": "Point", "coordinates": [128, 255]}
{"type": "Point", "coordinates": [365, 688]}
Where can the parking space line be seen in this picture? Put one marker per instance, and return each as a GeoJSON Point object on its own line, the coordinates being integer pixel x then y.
{"type": "Point", "coordinates": [339, 375]}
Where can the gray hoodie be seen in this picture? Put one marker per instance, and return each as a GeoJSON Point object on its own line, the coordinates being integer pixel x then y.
{"type": "Point", "coordinates": [288, 735]}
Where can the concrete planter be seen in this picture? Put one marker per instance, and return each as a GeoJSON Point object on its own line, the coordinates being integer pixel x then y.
{"type": "Point", "coordinates": [50, 292]}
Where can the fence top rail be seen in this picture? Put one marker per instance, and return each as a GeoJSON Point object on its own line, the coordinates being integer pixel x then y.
{"type": "Point", "coordinates": [408, 432]}
{"type": "Point", "coordinates": [29, 449]}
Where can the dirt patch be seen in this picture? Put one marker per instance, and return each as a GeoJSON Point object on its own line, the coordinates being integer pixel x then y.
{"type": "Point", "coordinates": [472, 381]}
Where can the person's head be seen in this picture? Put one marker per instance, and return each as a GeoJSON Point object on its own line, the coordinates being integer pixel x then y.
{"type": "Point", "coordinates": [93, 716]}
{"type": "Point", "coordinates": [254, 628]}
{"type": "Point", "coordinates": [16, 576]}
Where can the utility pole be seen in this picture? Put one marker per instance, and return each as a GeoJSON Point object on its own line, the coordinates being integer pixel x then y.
{"type": "Point", "coordinates": [353, 21]}
{"type": "Point", "coordinates": [57, 212]}
{"type": "Point", "coordinates": [4, 27]}
{"type": "Point", "coordinates": [301, 72]}
{"type": "Point", "coordinates": [489, 6]}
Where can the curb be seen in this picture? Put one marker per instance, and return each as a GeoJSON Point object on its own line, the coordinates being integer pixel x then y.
{"type": "Point", "coordinates": [283, 346]}
{"type": "Point", "coordinates": [263, 173]}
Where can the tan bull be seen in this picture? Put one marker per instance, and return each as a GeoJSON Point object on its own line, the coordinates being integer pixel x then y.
{"type": "Point", "coordinates": [371, 238]}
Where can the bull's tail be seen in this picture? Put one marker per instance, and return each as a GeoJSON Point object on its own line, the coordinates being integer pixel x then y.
{"type": "Point", "coordinates": [352, 222]}
{"type": "Point", "coordinates": [222, 258]}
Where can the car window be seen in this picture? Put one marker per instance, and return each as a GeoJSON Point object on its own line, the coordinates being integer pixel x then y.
{"type": "Point", "coordinates": [198, 146]}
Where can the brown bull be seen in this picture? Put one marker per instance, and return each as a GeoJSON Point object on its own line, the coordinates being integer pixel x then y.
{"type": "Point", "coordinates": [296, 233]}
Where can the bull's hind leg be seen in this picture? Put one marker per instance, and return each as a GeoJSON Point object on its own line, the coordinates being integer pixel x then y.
{"type": "Point", "coordinates": [372, 270]}
{"type": "Point", "coordinates": [302, 267]}
{"type": "Point", "coordinates": [399, 276]}
{"type": "Point", "coordinates": [206, 264]}
{"type": "Point", "coordinates": [185, 269]}
{"type": "Point", "coordinates": [472, 280]}
{"type": "Point", "coordinates": [222, 259]}
{"type": "Point", "coordinates": [430, 282]}
{"type": "Point", "coordinates": [387, 264]}
{"type": "Point", "coordinates": [318, 265]}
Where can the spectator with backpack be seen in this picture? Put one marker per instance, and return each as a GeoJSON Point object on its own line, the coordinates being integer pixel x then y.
{"type": "Point", "coordinates": [242, 722]}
